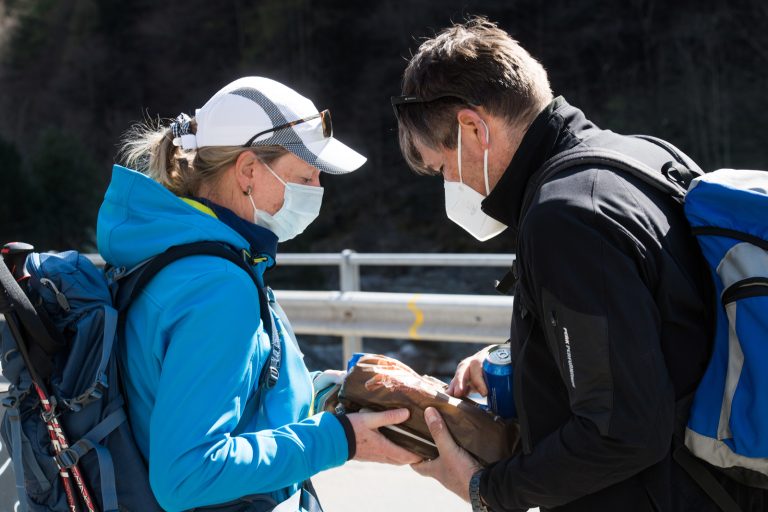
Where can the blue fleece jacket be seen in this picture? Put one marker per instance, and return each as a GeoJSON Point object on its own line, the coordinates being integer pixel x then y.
{"type": "Point", "coordinates": [193, 350]}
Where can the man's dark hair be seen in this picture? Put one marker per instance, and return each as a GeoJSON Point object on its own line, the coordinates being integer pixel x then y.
{"type": "Point", "coordinates": [467, 65]}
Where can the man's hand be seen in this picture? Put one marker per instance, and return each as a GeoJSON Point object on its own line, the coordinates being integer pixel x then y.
{"type": "Point", "coordinates": [454, 467]}
{"type": "Point", "coordinates": [469, 376]}
{"type": "Point", "coordinates": [371, 445]}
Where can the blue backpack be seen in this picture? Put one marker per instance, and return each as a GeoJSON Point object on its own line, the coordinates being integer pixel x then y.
{"type": "Point", "coordinates": [65, 421]}
{"type": "Point", "coordinates": [728, 212]}
{"type": "Point", "coordinates": [728, 423]}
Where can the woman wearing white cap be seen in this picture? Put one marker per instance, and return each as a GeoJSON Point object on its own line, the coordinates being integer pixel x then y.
{"type": "Point", "coordinates": [243, 172]}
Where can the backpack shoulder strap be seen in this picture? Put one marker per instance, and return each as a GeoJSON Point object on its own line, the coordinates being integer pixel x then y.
{"type": "Point", "coordinates": [663, 179]}
{"type": "Point", "coordinates": [678, 155]}
{"type": "Point", "coordinates": [702, 476]}
{"type": "Point", "coordinates": [132, 284]}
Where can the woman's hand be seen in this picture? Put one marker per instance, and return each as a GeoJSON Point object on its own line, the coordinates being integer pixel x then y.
{"type": "Point", "coordinates": [328, 378]}
{"type": "Point", "coordinates": [469, 376]}
{"type": "Point", "coordinates": [371, 445]}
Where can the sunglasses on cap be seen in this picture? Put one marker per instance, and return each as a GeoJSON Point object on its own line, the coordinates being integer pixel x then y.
{"type": "Point", "coordinates": [399, 101]}
{"type": "Point", "coordinates": [325, 121]}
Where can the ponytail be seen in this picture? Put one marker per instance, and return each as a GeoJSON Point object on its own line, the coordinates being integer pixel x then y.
{"type": "Point", "coordinates": [148, 147]}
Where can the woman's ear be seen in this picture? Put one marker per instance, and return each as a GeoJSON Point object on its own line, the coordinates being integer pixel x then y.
{"type": "Point", "coordinates": [245, 169]}
{"type": "Point", "coordinates": [471, 122]}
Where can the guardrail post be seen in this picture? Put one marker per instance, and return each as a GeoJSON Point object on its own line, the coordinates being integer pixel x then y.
{"type": "Point", "coordinates": [349, 277]}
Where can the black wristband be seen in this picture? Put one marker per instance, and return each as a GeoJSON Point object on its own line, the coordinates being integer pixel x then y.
{"type": "Point", "coordinates": [349, 431]}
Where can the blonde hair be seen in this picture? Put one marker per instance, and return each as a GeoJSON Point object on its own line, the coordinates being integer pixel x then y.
{"type": "Point", "coordinates": [148, 148]}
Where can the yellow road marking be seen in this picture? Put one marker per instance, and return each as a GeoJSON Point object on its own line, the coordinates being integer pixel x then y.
{"type": "Point", "coordinates": [418, 315]}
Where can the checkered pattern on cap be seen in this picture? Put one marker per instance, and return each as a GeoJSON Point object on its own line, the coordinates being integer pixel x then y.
{"type": "Point", "coordinates": [285, 137]}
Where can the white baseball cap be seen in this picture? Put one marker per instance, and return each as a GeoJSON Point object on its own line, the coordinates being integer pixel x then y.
{"type": "Point", "coordinates": [257, 111]}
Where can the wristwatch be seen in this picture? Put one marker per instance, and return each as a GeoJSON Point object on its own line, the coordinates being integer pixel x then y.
{"type": "Point", "coordinates": [474, 493]}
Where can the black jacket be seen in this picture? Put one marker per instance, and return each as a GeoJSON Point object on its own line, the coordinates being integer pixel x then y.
{"type": "Point", "coordinates": [612, 327]}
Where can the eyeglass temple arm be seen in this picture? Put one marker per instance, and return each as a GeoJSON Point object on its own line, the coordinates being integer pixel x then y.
{"type": "Point", "coordinates": [286, 125]}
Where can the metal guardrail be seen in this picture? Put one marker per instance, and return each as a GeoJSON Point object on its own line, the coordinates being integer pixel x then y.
{"type": "Point", "coordinates": [425, 317]}
{"type": "Point", "coordinates": [348, 259]}
{"type": "Point", "coordinates": [354, 314]}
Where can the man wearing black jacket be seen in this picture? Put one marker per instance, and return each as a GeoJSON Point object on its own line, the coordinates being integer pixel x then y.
{"type": "Point", "coordinates": [612, 320]}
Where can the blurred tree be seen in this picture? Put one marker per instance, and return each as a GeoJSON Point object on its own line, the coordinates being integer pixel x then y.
{"type": "Point", "coordinates": [689, 71]}
{"type": "Point", "coordinates": [15, 191]}
{"type": "Point", "coordinates": [67, 200]}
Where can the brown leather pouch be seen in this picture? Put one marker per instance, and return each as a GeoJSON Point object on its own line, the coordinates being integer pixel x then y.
{"type": "Point", "coordinates": [379, 382]}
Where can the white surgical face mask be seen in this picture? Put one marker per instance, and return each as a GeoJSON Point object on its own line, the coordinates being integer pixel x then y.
{"type": "Point", "coordinates": [462, 203]}
{"type": "Point", "coordinates": [301, 206]}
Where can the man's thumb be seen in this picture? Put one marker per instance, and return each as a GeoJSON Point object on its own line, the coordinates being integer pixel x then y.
{"type": "Point", "coordinates": [437, 428]}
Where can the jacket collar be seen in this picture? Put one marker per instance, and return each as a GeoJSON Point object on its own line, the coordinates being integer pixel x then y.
{"type": "Point", "coordinates": [557, 128]}
{"type": "Point", "coordinates": [261, 241]}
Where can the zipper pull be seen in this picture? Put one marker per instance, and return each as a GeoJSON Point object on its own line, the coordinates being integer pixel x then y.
{"type": "Point", "coordinates": [60, 297]}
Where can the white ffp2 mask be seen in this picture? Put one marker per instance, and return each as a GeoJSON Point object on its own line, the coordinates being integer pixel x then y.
{"type": "Point", "coordinates": [301, 206]}
{"type": "Point", "coordinates": [463, 203]}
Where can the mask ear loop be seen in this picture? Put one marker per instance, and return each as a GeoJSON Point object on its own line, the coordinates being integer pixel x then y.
{"type": "Point", "coordinates": [459, 145]}
{"type": "Point", "coordinates": [273, 173]}
{"type": "Point", "coordinates": [485, 158]}
{"type": "Point", "coordinates": [250, 198]}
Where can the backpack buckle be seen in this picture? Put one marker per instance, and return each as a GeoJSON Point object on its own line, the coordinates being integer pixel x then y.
{"type": "Point", "coordinates": [677, 173]}
{"type": "Point", "coordinates": [66, 459]}
{"type": "Point", "coordinates": [95, 392]}
{"type": "Point", "coordinates": [505, 285]}
{"type": "Point", "coordinates": [274, 374]}
{"type": "Point", "coordinates": [10, 402]}
{"type": "Point", "coordinates": [49, 416]}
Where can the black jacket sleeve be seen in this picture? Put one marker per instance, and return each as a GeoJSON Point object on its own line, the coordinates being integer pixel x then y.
{"type": "Point", "coordinates": [602, 328]}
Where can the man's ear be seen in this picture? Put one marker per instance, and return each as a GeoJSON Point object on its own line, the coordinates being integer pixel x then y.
{"type": "Point", "coordinates": [471, 122]}
{"type": "Point", "coordinates": [245, 169]}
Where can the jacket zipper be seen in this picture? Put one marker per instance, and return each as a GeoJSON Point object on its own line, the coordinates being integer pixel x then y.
{"type": "Point", "coordinates": [517, 392]}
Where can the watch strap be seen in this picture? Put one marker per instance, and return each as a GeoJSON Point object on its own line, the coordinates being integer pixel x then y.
{"type": "Point", "coordinates": [474, 493]}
